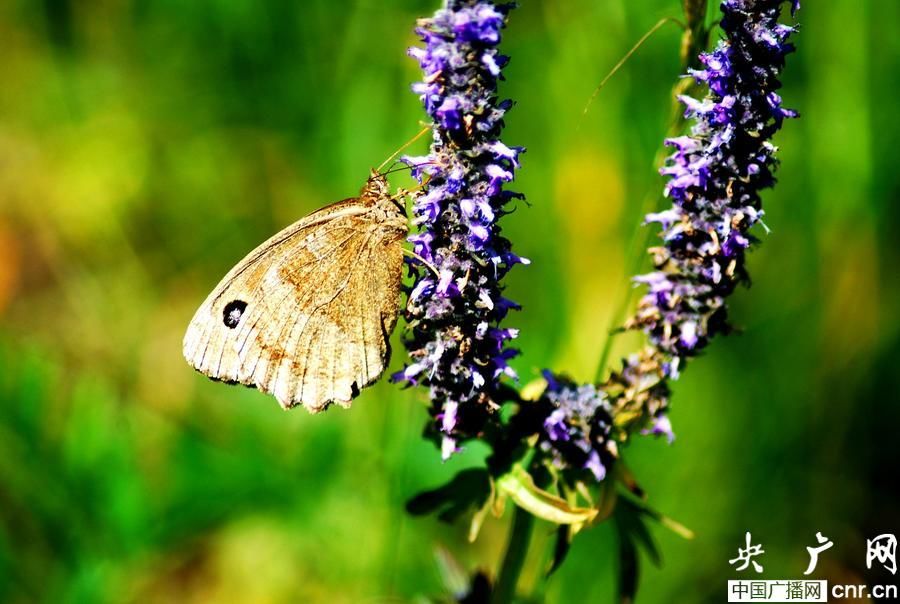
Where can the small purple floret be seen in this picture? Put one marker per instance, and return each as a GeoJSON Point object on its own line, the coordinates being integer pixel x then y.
{"type": "Point", "coordinates": [577, 430]}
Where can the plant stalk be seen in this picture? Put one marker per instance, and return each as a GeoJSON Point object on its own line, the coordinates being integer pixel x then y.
{"type": "Point", "coordinates": [514, 558]}
{"type": "Point", "coordinates": [694, 40]}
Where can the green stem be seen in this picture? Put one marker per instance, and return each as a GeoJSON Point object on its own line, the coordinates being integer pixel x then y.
{"type": "Point", "coordinates": [636, 258]}
{"type": "Point", "coordinates": [514, 558]}
{"type": "Point", "coordinates": [639, 240]}
{"type": "Point", "coordinates": [694, 40]}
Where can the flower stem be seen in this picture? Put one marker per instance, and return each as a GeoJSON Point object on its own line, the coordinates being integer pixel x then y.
{"type": "Point", "coordinates": [694, 40]}
{"type": "Point", "coordinates": [514, 558]}
{"type": "Point", "coordinates": [635, 257]}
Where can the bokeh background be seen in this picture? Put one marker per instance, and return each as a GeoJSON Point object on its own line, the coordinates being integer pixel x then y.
{"type": "Point", "coordinates": [147, 145]}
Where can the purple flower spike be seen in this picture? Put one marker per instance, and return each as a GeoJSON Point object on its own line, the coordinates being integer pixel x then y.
{"type": "Point", "coordinates": [457, 349]}
{"type": "Point", "coordinates": [578, 426]}
{"type": "Point", "coordinates": [715, 176]}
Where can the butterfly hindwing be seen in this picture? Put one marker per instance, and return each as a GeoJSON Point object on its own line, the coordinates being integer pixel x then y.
{"type": "Point", "coordinates": [306, 315]}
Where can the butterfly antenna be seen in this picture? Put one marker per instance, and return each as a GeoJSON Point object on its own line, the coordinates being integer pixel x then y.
{"type": "Point", "coordinates": [399, 168]}
{"type": "Point", "coordinates": [624, 59]}
{"type": "Point", "coordinates": [405, 145]}
{"type": "Point", "coordinates": [430, 266]}
{"type": "Point", "coordinates": [405, 166]}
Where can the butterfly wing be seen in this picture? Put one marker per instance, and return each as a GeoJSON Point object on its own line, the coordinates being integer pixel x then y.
{"type": "Point", "coordinates": [306, 316]}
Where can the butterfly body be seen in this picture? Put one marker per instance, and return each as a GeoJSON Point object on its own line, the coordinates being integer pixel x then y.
{"type": "Point", "coordinates": [306, 316]}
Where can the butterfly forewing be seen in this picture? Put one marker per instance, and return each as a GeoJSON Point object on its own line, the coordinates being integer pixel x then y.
{"type": "Point", "coordinates": [307, 315]}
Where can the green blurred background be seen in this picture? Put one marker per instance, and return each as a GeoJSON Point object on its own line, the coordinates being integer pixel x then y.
{"type": "Point", "coordinates": [146, 145]}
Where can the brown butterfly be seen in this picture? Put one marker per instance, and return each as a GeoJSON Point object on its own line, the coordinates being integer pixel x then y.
{"type": "Point", "coordinates": [307, 315]}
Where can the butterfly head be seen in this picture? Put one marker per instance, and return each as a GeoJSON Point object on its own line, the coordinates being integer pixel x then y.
{"type": "Point", "coordinates": [388, 209]}
{"type": "Point", "coordinates": [376, 187]}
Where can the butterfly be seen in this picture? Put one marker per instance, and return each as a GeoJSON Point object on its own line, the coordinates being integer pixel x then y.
{"type": "Point", "coordinates": [306, 316]}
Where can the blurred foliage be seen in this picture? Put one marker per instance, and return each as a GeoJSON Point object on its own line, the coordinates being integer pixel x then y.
{"type": "Point", "coordinates": [146, 145]}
